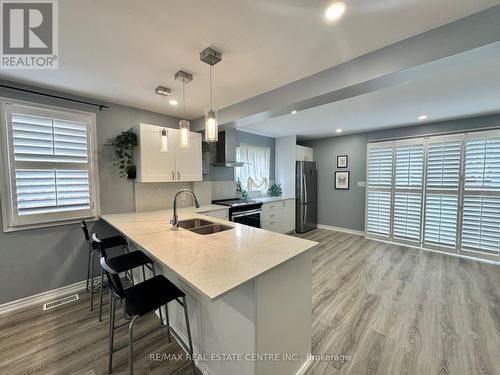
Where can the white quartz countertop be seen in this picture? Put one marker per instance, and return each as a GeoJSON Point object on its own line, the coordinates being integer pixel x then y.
{"type": "Point", "coordinates": [213, 264]}
{"type": "Point", "coordinates": [272, 199]}
{"type": "Point", "coordinates": [206, 208]}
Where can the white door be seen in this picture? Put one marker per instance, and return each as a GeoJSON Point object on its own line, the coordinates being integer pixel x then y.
{"type": "Point", "coordinates": [155, 165]}
{"type": "Point", "coordinates": [188, 163]}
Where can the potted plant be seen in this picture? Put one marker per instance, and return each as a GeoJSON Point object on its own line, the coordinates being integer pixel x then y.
{"type": "Point", "coordinates": [125, 143]}
{"type": "Point", "coordinates": [275, 190]}
{"type": "Point", "coordinates": [243, 192]}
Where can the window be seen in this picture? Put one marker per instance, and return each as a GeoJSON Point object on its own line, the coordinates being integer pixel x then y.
{"type": "Point", "coordinates": [437, 192]}
{"type": "Point", "coordinates": [255, 172]}
{"type": "Point", "coordinates": [408, 191]}
{"type": "Point", "coordinates": [379, 197]}
{"type": "Point", "coordinates": [481, 207]}
{"type": "Point", "coordinates": [443, 177]}
{"type": "Point", "coordinates": [49, 166]}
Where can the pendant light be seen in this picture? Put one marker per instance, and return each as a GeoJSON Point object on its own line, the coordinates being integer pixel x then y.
{"type": "Point", "coordinates": [184, 125]}
{"type": "Point", "coordinates": [163, 92]}
{"type": "Point", "coordinates": [164, 140]}
{"type": "Point", "coordinates": [211, 57]}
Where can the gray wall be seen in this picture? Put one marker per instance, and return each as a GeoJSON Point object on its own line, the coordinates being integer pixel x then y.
{"type": "Point", "coordinates": [226, 173]}
{"type": "Point", "coordinates": [346, 208]}
{"type": "Point", "coordinates": [34, 261]}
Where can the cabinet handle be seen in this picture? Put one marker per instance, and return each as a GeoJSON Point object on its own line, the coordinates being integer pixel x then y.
{"type": "Point", "coordinates": [173, 176]}
{"type": "Point", "coordinates": [178, 175]}
{"type": "Point", "coordinates": [271, 215]}
{"type": "Point", "coordinates": [284, 204]}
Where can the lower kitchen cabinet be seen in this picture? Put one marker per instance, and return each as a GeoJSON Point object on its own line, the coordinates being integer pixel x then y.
{"type": "Point", "coordinates": [288, 215]}
{"type": "Point", "coordinates": [279, 216]}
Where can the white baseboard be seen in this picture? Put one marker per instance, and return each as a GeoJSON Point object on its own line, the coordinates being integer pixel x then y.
{"type": "Point", "coordinates": [305, 366]}
{"type": "Point", "coordinates": [40, 299]}
{"type": "Point", "coordinates": [341, 229]}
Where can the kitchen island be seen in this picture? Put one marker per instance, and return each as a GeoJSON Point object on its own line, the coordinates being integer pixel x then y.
{"type": "Point", "coordinates": [249, 291]}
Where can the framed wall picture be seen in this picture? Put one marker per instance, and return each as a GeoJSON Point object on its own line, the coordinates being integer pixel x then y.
{"type": "Point", "coordinates": [342, 161]}
{"type": "Point", "coordinates": [342, 180]}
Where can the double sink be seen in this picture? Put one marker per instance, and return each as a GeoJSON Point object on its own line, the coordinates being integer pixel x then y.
{"type": "Point", "coordinates": [201, 226]}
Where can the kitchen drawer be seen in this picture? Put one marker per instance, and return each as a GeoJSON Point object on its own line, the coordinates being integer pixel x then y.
{"type": "Point", "coordinates": [272, 206]}
{"type": "Point", "coordinates": [270, 215]}
{"type": "Point", "coordinates": [273, 225]}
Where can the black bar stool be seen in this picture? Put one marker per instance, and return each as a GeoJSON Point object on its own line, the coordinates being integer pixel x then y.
{"type": "Point", "coordinates": [139, 300]}
{"type": "Point", "coordinates": [121, 263]}
{"type": "Point", "coordinates": [109, 242]}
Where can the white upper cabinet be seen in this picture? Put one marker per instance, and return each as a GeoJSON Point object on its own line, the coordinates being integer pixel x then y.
{"type": "Point", "coordinates": [177, 164]}
{"type": "Point", "coordinates": [188, 161]}
{"type": "Point", "coordinates": [305, 153]}
{"type": "Point", "coordinates": [154, 165]}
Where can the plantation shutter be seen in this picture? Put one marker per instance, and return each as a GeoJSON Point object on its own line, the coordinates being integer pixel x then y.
{"type": "Point", "coordinates": [51, 165]}
{"type": "Point", "coordinates": [380, 167]}
{"type": "Point", "coordinates": [438, 192]}
{"type": "Point", "coordinates": [441, 206]}
{"type": "Point", "coordinates": [408, 191]}
{"type": "Point", "coordinates": [481, 212]}
{"type": "Point", "coordinates": [378, 212]}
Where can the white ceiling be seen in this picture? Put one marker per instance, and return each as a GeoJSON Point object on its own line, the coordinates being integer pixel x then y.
{"type": "Point", "coordinates": [459, 86]}
{"type": "Point", "coordinates": [119, 50]}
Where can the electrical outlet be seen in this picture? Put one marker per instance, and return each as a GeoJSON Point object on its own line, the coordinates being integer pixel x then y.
{"type": "Point", "coordinates": [361, 184]}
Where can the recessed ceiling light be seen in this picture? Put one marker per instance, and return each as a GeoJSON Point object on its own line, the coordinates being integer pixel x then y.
{"type": "Point", "coordinates": [335, 11]}
{"type": "Point", "coordinates": [294, 112]}
{"type": "Point", "coordinates": [338, 131]}
{"type": "Point", "coordinates": [423, 117]}
{"type": "Point", "coordinates": [173, 102]}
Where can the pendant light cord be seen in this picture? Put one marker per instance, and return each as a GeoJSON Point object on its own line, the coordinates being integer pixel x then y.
{"type": "Point", "coordinates": [163, 106]}
{"type": "Point", "coordinates": [211, 88]}
{"type": "Point", "coordinates": [184, 98]}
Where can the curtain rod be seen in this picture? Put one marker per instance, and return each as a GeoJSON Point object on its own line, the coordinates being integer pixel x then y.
{"type": "Point", "coordinates": [101, 106]}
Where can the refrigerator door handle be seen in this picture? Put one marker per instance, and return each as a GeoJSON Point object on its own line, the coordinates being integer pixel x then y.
{"type": "Point", "coordinates": [305, 215]}
{"type": "Point", "coordinates": [305, 187]}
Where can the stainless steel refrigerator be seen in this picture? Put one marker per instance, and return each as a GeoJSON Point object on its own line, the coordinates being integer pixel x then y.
{"type": "Point", "coordinates": [306, 190]}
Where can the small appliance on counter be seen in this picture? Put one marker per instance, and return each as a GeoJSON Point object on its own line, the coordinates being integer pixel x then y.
{"type": "Point", "coordinates": [243, 212]}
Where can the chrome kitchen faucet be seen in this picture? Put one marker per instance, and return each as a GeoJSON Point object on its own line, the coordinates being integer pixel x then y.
{"type": "Point", "coordinates": [175, 219]}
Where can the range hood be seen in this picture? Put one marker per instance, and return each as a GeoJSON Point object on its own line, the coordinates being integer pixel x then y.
{"type": "Point", "coordinates": [226, 150]}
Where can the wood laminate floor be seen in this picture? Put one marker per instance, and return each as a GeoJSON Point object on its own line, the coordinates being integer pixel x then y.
{"type": "Point", "coordinates": [399, 310]}
{"type": "Point", "coordinates": [391, 309]}
{"type": "Point", "coordinates": [68, 340]}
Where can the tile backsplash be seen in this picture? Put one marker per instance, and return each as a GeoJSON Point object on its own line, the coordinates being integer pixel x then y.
{"type": "Point", "coordinates": [159, 195]}
{"type": "Point", "coordinates": [224, 189]}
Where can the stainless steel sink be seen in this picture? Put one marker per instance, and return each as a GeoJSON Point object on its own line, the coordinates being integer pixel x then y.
{"type": "Point", "coordinates": [210, 229]}
{"type": "Point", "coordinates": [194, 223]}
{"type": "Point", "coordinates": [200, 226]}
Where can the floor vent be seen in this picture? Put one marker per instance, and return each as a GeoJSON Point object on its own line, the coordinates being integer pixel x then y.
{"type": "Point", "coordinates": [60, 301]}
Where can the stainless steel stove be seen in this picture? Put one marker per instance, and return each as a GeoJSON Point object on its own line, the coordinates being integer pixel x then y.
{"type": "Point", "coordinates": [243, 212]}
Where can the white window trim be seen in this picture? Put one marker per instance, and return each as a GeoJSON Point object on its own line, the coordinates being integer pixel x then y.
{"type": "Point", "coordinates": [6, 174]}
{"type": "Point", "coordinates": [458, 249]}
